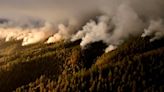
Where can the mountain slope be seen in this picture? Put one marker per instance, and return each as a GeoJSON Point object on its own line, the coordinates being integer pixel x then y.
{"type": "Point", "coordinates": [136, 65]}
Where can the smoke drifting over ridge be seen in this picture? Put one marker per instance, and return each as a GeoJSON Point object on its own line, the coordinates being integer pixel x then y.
{"type": "Point", "coordinates": [155, 28]}
{"type": "Point", "coordinates": [28, 35]}
{"type": "Point", "coordinates": [111, 30]}
{"type": "Point", "coordinates": [110, 21]}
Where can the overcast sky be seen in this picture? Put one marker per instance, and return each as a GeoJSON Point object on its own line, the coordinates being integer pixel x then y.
{"type": "Point", "coordinates": [59, 9]}
{"type": "Point", "coordinates": [47, 9]}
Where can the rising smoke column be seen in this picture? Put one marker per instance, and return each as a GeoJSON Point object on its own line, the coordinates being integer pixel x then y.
{"type": "Point", "coordinates": [93, 32]}
{"type": "Point", "coordinates": [64, 32]}
{"type": "Point", "coordinates": [111, 30]}
{"type": "Point", "coordinates": [155, 29]}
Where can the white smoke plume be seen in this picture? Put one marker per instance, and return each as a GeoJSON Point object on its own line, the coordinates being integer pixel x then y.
{"type": "Point", "coordinates": [155, 29]}
{"type": "Point", "coordinates": [111, 30]}
{"type": "Point", "coordinates": [28, 35]}
{"type": "Point", "coordinates": [64, 32]}
{"type": "Point", "coordinates": [110, 48]}
{"type": "Point", "coordinates": [93, 31]}
{"type": "Point", "coordinates": [117, 20]}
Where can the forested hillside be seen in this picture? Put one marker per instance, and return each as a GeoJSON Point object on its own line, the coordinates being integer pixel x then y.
{"type": "Point", "coordinates": [137, 65]}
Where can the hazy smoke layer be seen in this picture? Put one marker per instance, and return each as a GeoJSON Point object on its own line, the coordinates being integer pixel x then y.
{"type": "Point", "coordinates": [28, 35]}
{"type": "Point", "coordinates": [110, 21]}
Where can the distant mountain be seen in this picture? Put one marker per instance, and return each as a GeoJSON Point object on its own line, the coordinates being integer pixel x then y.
{"type": "Point", "coordinates": [3, 20]}
{"type": "Point", "coordinates": [135, 66]}
{"type": "Point", "coordinates": [28, 22]}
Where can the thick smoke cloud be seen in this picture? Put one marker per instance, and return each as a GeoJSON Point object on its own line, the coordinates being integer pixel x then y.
{"type": "Point", "coordinates": [155, 29]}
{"type": "Point", "coordinates": [110, 21]}
{"type": "Point", "coordinates": [125, 20]}
{"type": "Point", "coordinates": [111, 30]}
{"type": "Point", "coordinates": [93, 31]}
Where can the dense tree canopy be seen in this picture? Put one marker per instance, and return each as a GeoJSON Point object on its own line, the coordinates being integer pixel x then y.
{"type": "Point", "coordinates": [135, 66]}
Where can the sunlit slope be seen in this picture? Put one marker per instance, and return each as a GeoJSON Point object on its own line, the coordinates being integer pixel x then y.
{"type": "Point", "coordinates": [26, 65]}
